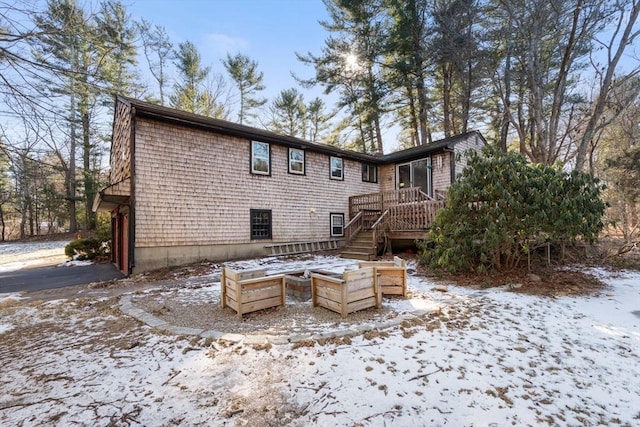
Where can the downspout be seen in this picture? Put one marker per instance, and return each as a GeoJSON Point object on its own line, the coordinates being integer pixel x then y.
{"type": "Point", "coordinates": [132, 198]}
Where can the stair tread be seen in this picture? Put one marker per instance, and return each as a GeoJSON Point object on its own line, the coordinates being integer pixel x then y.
{"type": "Point", "coordinates": [356, 255]}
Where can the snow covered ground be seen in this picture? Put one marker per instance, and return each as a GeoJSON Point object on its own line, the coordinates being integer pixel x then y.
{"type": "Point", "coordinates": [16, 256]}
{"type": "Point", "coordinates": [478, 358]}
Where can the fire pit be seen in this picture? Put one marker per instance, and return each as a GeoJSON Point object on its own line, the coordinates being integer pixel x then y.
{"type": "Point", "coordinates": [298, 283]}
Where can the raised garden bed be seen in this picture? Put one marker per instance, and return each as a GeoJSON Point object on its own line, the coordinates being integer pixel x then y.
{"type": "Point", "coordinates": [392, 275]}
{"type": "Point", "coordinates": [355, 290]}
{"type": "Point", "coordinates": [298, 283]}
{"type": "Point", "coordinates": [251, 290]}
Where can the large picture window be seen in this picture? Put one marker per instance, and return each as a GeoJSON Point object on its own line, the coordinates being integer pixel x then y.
{"type": "Point", "coordinates": [369, 172]}
{"type": "Point", "coordinates": [260, 158]}
{"type": "Point", "coordinates": [337, 168]}
{"type": "Point", "coordinates": [260, 224]}
{"type": "Point", "coordinates": [296, 161]}
{"type": "Point", "coordinates": [337, 224]}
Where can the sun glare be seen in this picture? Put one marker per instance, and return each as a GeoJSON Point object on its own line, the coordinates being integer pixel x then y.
{"type": "Point", "coordinates": [352, 63]}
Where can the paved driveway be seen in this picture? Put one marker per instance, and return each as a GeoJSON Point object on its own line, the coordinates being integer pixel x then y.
{"type": "Point", "coordinates": [39, 278]}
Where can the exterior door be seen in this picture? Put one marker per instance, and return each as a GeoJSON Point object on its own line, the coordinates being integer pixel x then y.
{"type": "Point", "coordinates": [120, 241]}
{"type": "Point", "coordinates": [124, 243]}
{"type": "Point", "coordinates": [416, 174]}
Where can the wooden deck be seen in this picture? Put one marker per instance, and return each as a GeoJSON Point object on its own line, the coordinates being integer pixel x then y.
{"type": "Point", "coordinates": [404, 214]}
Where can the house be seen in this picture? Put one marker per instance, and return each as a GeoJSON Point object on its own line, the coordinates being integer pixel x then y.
{"type": "Point", "coordinates": [186, 188]}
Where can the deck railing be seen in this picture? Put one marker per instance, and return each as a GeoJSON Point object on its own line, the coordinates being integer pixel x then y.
{"type": "Point", "coordinates": [417, 216]}
{"type": "Point", "coordinates": [379, 202]}
{"type": "Point", "coordinates": [403, 210]}
{"type": "Point", "coordinates": [413, 216]}
{"type": "Point", "coordinates": [353, 227]}
{"type": "Point", "coordinates": [378, 230]}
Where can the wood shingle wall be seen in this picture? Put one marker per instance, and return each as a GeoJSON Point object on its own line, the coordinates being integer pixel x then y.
{"type": "Point", "coordinates": [473, 142]}
{"type": "Point", "coordinates": [441, 171]}
{"type": "Point", "coordinates": [194, 187]}
{"type": "Point", "coordinates": [120, 158]}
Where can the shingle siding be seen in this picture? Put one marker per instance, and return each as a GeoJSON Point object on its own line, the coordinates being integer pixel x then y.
{"type": "Point", "coordinates": [195, 188]}
{"type": "Point", "coordinates": [473, 142]}
{"type": "Point", "coordinates": [120, 157]}
{"type": "Point", "coordinates": [441, 171]}
{"type": "Point", "coordinates": [192, 189]}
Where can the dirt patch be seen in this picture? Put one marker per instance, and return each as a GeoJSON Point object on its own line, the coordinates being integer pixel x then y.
{"type": "Point", "coordinates": [547, 281]}
{"type": "Point", "coordinates": [204, 312]}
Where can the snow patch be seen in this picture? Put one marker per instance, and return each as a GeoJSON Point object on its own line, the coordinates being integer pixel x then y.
{"type": "Point", "coordinates": [75, 263]}
{"type": "Point", "coordinates": [488, 358]}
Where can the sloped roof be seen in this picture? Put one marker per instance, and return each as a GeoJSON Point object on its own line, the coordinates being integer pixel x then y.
{"type": "Point", "coordinates": [166, 114]}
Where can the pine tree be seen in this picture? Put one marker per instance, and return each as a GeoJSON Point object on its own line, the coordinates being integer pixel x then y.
{"type": "Point", "coordinates": [244, 73]}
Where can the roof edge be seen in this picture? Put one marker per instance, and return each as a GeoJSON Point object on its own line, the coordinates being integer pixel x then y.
{"type": "Point", "coordinates": [160, 112]}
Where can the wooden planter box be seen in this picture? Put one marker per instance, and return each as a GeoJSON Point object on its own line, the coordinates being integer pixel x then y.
{"type": "Point", "coordinates": [251, 290]}
{"type": "Point", "coordinates": [392, 275]}
{"type": "Point", "coordinates": [356, 290]}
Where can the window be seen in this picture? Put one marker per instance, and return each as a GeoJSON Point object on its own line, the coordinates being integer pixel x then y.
{"type": "Point", "coordinates": [260, 158]}
{"type": "Point", "coordinates": [369, 173]}
{"type": "Point", "coordinates": [416, 174]}
{"type": "Point", "coordinates": [337, 224]}
{"type": "Point", "coordinates": [296, 161]}
{"type": "Point", "coordinates": [337, 168]}
{"type": "Point", "coordinates": [260, 224]}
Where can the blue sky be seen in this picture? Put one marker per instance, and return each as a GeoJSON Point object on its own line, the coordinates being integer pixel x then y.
{"type": "Point", "coordinates": [268, 31]}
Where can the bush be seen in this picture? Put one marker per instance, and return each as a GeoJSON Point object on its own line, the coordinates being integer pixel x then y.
{"type": "Point", "coordinates": [86, 249]}
{"type": "Point", "coordinates": [103, 230]}
{"type": "Point", "coordinates": [502, 206]}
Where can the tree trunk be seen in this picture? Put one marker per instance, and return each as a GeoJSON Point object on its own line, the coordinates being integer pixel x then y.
{"type": "Point", "coordinates": [89, 181]}
{"type": "Point", "coordinates": [71, 173]}
{"type": "Point", "coordinates": [413, 119]}
{"type": "Point", "coordinates": [446, 100]}
{"type": "Point", "coordinates": [2, 224]}
{"type": "Point", "coordinates": [506, 100]}
{"type": "Point", "coordinates": [422, 111]}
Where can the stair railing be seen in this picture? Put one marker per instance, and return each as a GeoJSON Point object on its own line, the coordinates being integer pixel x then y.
{"type": "Point", "coordinates": [353, 227]}
{"type": "Point", "coordinates": [377, 230]}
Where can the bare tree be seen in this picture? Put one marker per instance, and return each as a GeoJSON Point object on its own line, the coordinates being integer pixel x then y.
{"type": "Point", "coordinates": [158, 51]}
{"type": "Point", "coordinates": [624, 32]}
{"type": "Point", "coordinates": [546, 44]}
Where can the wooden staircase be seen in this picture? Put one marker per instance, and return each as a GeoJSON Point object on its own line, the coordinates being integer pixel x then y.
{"type": "Point", "coordinates": [361, 247]}
{"type": "Point", "coordinates": [376, 217]}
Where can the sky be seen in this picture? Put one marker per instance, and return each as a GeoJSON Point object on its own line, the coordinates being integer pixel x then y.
{"type": "Point", "coordinates": [268, 31]}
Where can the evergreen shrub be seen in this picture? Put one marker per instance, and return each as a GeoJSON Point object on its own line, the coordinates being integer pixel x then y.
{"type": "Point", "coordinates": [502, 206]}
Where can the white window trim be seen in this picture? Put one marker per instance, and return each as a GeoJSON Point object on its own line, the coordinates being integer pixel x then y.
{"type": "Point", "coordinates": [341, 169]}
{"type": "Point", "coordinates": [331, 224]}
{"type": "Point", "coordinates": [292, 171]}
{"type": "Point", "coordinates": [268, 159]}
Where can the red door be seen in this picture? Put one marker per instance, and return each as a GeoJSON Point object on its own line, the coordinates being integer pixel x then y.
{"type": "Point", "coordinates": [124, 243]}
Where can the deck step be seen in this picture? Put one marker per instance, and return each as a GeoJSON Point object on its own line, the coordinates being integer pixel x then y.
{"type": "Point", "coordinates": [359, 248]}
{"type": "Point", "coordinates": [364, 256]}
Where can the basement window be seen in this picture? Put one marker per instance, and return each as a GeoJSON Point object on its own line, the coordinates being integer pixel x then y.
{"type": "Point", "coordinates": [337, 224]}
{"type": "Point", "coordinates": [260, 224]}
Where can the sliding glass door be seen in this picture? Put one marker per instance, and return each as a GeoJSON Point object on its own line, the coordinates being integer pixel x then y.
{"type": "Point", "coordinates": [415, 174]}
